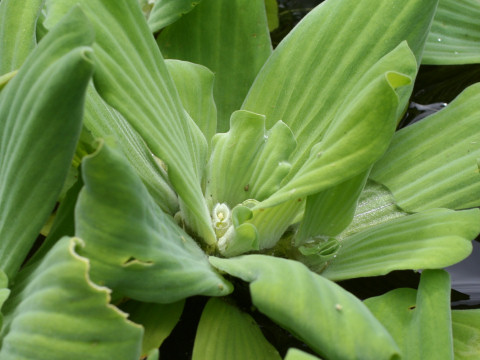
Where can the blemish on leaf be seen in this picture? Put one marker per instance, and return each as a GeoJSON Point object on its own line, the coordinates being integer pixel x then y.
{"type": "Point", "coordinates": [338, 307]}
{"type": "Point", "coordinates": [246, 187]}
{"type": "Point", "coordinates": [413, 307]}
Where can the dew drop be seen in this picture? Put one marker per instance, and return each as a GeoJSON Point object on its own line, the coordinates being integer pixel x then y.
{"type": "Point", "coordinates": [439, 39]}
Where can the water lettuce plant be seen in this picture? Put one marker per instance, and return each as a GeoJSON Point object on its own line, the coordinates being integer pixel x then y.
{"type": "Point", "coordinates": [164, 150]}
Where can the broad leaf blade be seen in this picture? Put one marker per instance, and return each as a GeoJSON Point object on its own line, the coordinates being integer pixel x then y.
{"type": "Point", "coordinates": [466, 334]}
{"type": "Point", "coordinates": [227, 333]}
{"type": "Point", "coordinates": [433, 163]}
{"type": "Point", "coordinates": [132, 77]}
{"type": "Point", "coordinates": [431, 239]}
{"type": "Point", "coordinates": [134, 247]}
{"type": "Point", "coordinates": [310, 63]}
{"type": "Point", "coordinates": [104, 121]}
{"type": "Point", "coordinates": [194, 84]}
{"type": "Point", "coordinates": [17, 31]}
{"type": "Point", "coordinates": [455, 34]}
{"type": "Point", "coordinates": [40, 121]}
{"type": "Point", "coordinates": [311, 307]}
{"type": "Point", "coordinates": [56, 312]}
{"type": "Point", "coordinates": [295, 354]}
{"type": "Point", "coordinates": [420, 321]}
{"type": "Point", "coordinates": [166, 12]}
{"type": "Point", "coordinates": [235, 44]}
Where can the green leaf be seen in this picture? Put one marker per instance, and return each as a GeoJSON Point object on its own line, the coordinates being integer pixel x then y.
{"type": "Point", "coordinates": [433, 163]}
{"type": "Point", "coordinates": [4, 294]}
{"type": "Point", "coordinates": [132, 77]}
{"type": "Point", "coordinates": [235, 43]}
{"type": "Point", "coordinates": [165, 12]}
{"type": "Point", "coordinates": [466, 334]}
{"type": "Point", "coordinates": [271, 7]}
{"type": "Point", "coordinates": [104, 121]}
{"type": "Point", "coordinates": [311, 307]}
{"type": "Point", "coordinates": [295, 354]}
{"type": "Point", "coordinates": [194, 84]}
{"type": "Point", "coordinates": [134, 247]}
{"type": "Point", "coordinates": [56, 312]}
{"type": "Point", "coordinates": [226, 333]}
{"type": "Point", "coordinates": [158, 321]}
{"type": "Point", "coordinates": [376, 205]}
{"type": "Point", "coordinates": [420, 322]}
{"type": "Point", "coordinates": [455, 34]}
{"type": "Point", "coordinates": [316, 57]}
{"type": "Point", "coordinates": [329, 212]}
{"type": "Point", "coordinates": [248, 162]}
{"type": "Point", "coordinates": [17, 31]}
{"type": "Point", "coordinates": [431, 239]}
{"type": "Point", "coordinates": [40, 121]}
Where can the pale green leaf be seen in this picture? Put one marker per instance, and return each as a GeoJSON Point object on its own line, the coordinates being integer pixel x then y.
{"type": "Point", "coordinates": [104, 121]}
{"type": "Point", "coordinates": [4, 79]}
{"type": "Point", "coordinates": [166, 12]}
{"type": "Point", "coordinates": [248, 162]}
{"type": "Point", "coordinates": [132, 77]}
{"type": "Point", "coordinates": [312, 308]}
{"type": "Point", "coordinates": [56, 312]}
{"type": "Point", "coordinates": [376, 205]}
{"type": "Point", "coordinates": [17, 31]}
{"type": "Point", "coordinates": [194, 84]}
{"type": "Point", "coordinates": [295, 354]}
{"type": "Point", "coordinates": [466, 334]}
{"type": "Point", "coordinates": [329, 212]}
{"type": "Point", "coordinates": [433, 163]}
{"type": "Point", "coordinates": [227, 333]}
{"type": "Point", "coordinates": [455, 34]}
{"type": "Point", "coordinates": [40, 121]}
{"type": "Point", "coordinates": [420, 322]}
{"type": "Point", "coordinates": [427, 240]}
{"type": "Point", "coordinates": [158, 321]}
{"type": "Point", "coordinates": [341, 42]}
{"type": "Point", "coordinates": [235, 43]}
{"type": "Point", "coordinates": [134, 247]}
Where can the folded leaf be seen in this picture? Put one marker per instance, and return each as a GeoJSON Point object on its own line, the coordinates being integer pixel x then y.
{"type": "Point", "coordinates": [40, 121]}
{"type": "Point", "coordinates": [17, 31]}
{"type": "Point", "coordinates": [58, 313]}
{"type": "Point", "coordinates": [194, 84]}
{"type": "Point", "coordinates": [466, 334]}
{"type": "Point", "coordinates": [226, 333]}
{"type": "Point", "coordinates": [420, 322]}
{"type": "Point", "coordinates": [248, 162]}
{"type": "Point", "coordinates": [132, 77]}
{"type": "Point", "coordinates": [455, 34]}
{"type": "Point", "coordinates": [433, 163]}
{"type": "Point", "coordinates": [431, 239]}
{"type": "Point", "coordinates": [329, 212]}
{"type": "Point", "coordinates": [311, 307]}
{"type": "Point", "coordinates": [235, 44]}
{"type": "Point", "coordinates": [165, 12]}
{"type": "Point", "coordinates": [134, 247]}
{"type": "Point", "coordinates": [104, 121]}
{"type": "Point", "coordinates": [299, 83]}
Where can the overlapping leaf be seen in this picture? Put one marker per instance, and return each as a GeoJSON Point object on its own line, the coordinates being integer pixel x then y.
{"type": "Point", "coordinates": [17, 31]}
{"type": "Point", "coordinates": [466, 334]}
{"type": "Point", "coordinates": [57, 313]}
{"type": "Point", "coordinates": [420, 322]}
{"type": "Point", "coordinates": [165, 12]}
{"type": "Point", "coordinates": [104, 121]}
{"type": "Point", "coordinates": [431, 239]}
{"type": "Point", "coordinates": [235, 43]}
{"type": "Point", "coordinates": [433, 163]}
{"type": "Point", "coordinates": [226, 333]}
{"type": "Point", "coordinates": [40, 121]}
{"type": "Point", "coordinates": [455, 34]}
{"type": "Point", "coordinates": [300, 85]}
{"type": "Point", "coordinates": [134, 247]}
{"type": "Point", "coordinates": [132, 77]}
{"type": "Point", "coordinates": [311, 307]}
